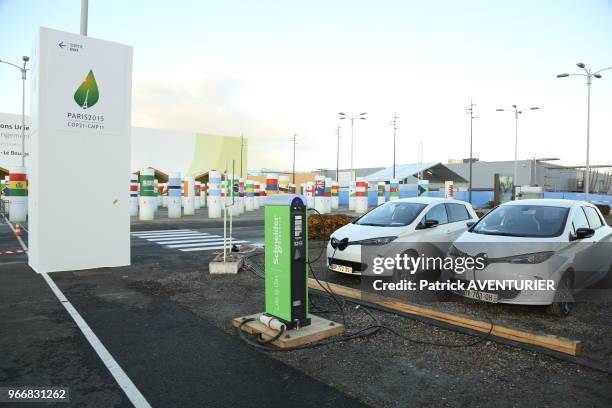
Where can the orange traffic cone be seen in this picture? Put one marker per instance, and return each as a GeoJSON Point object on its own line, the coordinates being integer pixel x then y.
{"type": "Point", "coordinates": [17, 230]}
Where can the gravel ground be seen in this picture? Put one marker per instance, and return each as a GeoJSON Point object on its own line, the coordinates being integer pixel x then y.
{"type": "Point", "coordinates": [389, 371]}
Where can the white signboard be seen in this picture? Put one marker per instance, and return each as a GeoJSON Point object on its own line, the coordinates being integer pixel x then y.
{"type": "Point", "coordinates": [10, 139]}
{"type": "Point", "coordinates": [80, 153]}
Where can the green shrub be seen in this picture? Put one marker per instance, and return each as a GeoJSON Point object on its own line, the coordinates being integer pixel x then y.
{"type": "Point", "coordinates": [322, 226]}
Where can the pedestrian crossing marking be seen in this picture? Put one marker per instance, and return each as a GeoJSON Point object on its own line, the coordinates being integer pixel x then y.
{"type": "Point", "coordinates": [186, 240]}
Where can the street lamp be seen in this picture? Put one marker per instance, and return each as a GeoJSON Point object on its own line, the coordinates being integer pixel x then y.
{"type": "Point", "coordinates": [589, 75]}
{"type": "Point", "coordinates": [395, 128]}
{"type": "Point", "coordinates": [516, 112]}
{"type": "Point", "coordinates": [343, 116]}
{"type": "Point", "coordinates": [294, 141]}
{"type": "Point", "coordinates": [338, 153]}
{"type": "Point", "coordinates": [24, 71]}
{"type": "Point", "coordinates": [470, 111]}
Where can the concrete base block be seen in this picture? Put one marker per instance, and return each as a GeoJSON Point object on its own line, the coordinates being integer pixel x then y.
{"type": "Point", "coordinates": [231, 266]}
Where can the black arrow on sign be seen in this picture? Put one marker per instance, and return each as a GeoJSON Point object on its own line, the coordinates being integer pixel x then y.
{"type": "Point", "coordinates": [61, 44]}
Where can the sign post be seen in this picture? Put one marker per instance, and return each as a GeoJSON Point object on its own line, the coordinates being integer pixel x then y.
{"type": "Point", "coordinates": [80, 132]}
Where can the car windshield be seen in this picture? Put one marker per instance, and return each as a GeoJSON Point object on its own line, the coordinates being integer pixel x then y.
{"type": "Point", "coordinates": [392, 214]}
{"type": "Point", "coordinates": [524, 221]}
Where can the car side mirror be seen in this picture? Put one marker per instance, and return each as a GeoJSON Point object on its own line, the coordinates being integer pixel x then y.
{"type": "Point", "coordinates": [582, 233]}
{"type": "Point", "coordinates": [470, 224]}
{"type": "Point", "coordinates": [431, 223]}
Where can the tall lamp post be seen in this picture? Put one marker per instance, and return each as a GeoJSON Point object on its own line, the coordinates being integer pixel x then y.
{"type": "Point", "coordinates": [589, 76]}
{"type": "Point", "coordinates": [24, 71]}
{"type": "Point", "coordinates": [361, 116]}
{"type": "Point", "coordinates": [516, 112]}
{"type": "Point", "coordinates": [294, 141]}
{"type": "Point", "coordinates": [470, 111]}
{"type": "Point", "coordinates": [338, 153]}
{"type": "Point", "coordinates": [395, 128]}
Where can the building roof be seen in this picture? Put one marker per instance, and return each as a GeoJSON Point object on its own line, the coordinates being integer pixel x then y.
{"type": "Point", "coordinates": [431, 171]}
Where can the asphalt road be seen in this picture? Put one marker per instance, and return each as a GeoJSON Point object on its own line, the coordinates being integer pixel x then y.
{"type": "Point", "coordinates": [174, 357]}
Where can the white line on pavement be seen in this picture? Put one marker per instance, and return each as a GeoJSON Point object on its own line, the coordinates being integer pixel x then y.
{"type": "Point", "coordinates": [194, 236]}
{"type": "Point", "coordinates": [202, 245]}
{"type": "Point", "coordinates": [118, 374]}
{"type": "Point", "coordinates": [156, 231]}
{"type": "Point", "coordinates": [189, 241]}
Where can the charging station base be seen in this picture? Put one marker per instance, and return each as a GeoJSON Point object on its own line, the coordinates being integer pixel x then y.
{"type": "Point", "coordinates": [318, 329]}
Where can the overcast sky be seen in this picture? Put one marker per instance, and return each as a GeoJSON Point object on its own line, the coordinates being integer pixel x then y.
{"type": "Point", "coordinates": [271, 68]}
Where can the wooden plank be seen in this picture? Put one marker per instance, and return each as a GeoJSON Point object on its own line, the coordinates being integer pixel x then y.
{"type": "Point", "coordinates": [318, 329]}
{"type": "Point", "coordinates": [560, 344]}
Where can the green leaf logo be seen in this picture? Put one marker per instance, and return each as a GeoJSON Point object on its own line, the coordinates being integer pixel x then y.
{"type": "Point", "coordinates": [87, 94]}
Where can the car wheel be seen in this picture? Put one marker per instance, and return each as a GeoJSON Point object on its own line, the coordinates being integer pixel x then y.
{"type": "Point", "coordinates": [564, 296]}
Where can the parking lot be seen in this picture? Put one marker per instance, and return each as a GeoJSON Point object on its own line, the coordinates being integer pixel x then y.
{"type": "Point", "coordinates": [166, 323]}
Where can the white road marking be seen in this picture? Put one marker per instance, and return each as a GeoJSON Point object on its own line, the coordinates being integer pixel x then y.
{"type": "Point", "coordinates": [182, 234]}
{"type": "Point", "coordinates": [202, 248]}
{"type": "Point", "coordinates": [194, 236]}
{"type": "Point", "coordinates": [128, 387]}
{"type": "Point", "coordinates": [133, 394]}
{"type": "Point", "coordinates": [189, 241]}
{"type": "Point", "coordinates": [203, 245]}
{"type": "Point", "coordinates": [156, 231]}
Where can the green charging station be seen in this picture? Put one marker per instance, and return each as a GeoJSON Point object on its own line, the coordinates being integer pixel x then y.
{"type": "Point", "coordinates": [286, 258]}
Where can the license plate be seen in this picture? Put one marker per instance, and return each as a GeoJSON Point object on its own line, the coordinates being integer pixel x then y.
{"type": "Point", "coordinates": [483, 296]}
{"type": "Point", "coordinates": [341, 268]}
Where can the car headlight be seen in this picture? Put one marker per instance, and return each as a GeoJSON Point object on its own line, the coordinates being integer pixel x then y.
{"type": "Point", "coordinates": [533, 258]}
{"type": "Point", "coordinates": [374, 241]}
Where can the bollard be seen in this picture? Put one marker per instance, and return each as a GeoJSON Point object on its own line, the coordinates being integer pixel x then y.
{"type": "Point", "coordinates": [449, 189]}
{"type": "Point", "coordinates": [327, 195]}
{"type": "Point", "coordinates": [361, 196]}
{"type": "Point", "coordinates": [335, 200]}
{"type": "Point", "coordinates": [147, 200]}
{"type": "Point", "coordinates": [310, 194]}
{"type": "Point", "coordinates": [393, 189]}
{"type": "Point", "coordinates": [164, 195]}
{"type": "Point", "coordinates": [133, 195]}
{"type": "Point", "coordinates": [203, 194]}
{"type": "Point", "coordinates": [262, 195]}
{"type": "Point", "coordinates": [241, 196]}
{"type": "Point", "coordinates": [214, 194]}
{"type": "Point", "coordinates": [256, 196]}
{"type": "Point", "coordinates": [283, 184]}
{"type": "Point", "coordinates": [175, 196]}
{"type": "Point", "coordinates": [189, 195]}
{"type": "Point", "coordinates": [158, 199]}
{"type": "Point", "coordinates": [196, 192]}
{"type": "Point", "coordinates": [271, 183]}
{"type": "Point", "coordinates": [352, 196]}
{"type": "Point", "coordinates": [380, 199]}
{"type": "Point", "coordinates": [249, 197]}
{"type": "Point", "coordinates": [319, 194]}
{"type": "Point", "coordinates": [18, 194]}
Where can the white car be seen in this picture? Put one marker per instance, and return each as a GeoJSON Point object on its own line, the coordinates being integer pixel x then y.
{"type": "Point", "coordinates": [564, 242]}
{"type": "Point", "coordinates": [410, 225]}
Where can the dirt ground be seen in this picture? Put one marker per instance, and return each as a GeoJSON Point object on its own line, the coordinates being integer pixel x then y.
{"type": "Point", "coordinates": [386, 370]}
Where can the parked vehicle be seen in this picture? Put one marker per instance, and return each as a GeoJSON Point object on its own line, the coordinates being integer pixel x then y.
{"type": "Point", "coordinates": [561, 241]}
{"type": "Point", "coordinates": [410, 225]}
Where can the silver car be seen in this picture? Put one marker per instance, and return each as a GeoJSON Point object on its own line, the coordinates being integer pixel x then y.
{"type": "Point", "coordinates": [562, 242]}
